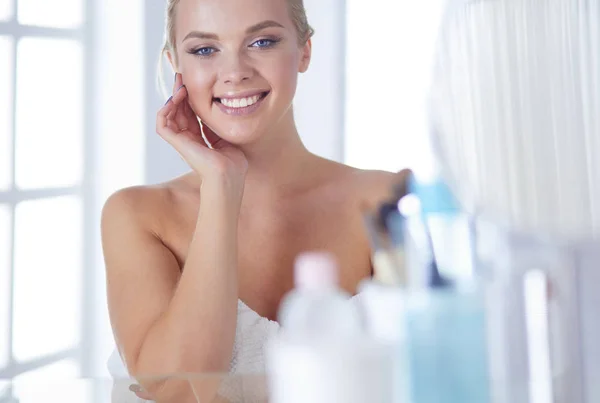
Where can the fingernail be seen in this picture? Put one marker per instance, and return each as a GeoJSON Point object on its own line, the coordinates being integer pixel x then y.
{"type": "Point", "coordinates": [135, 388]}
{"type": "Point", "coordinates": [179, 88]}
{"type": "Point", "coordinates": [169, 100]}
{"type": "Point", "coordinates": [175, 79]}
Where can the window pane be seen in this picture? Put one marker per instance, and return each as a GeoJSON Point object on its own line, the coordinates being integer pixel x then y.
{"type": "Point", "coordinates": [5, 282]}
{"type": "Point", "coordinates": [6, 10]}
{"type": "Point", "coordinates": [49, 141]}
{"type": "Point", "coordinates": [53, 383]}
{"type": "Point", "coordinates": [6, 110]}
{"type": "Point", "coordinates": [5, 392]}
{"type": "Point", "coordinates": [55, 13]}
{"type": "Point", "coordinates": [47, 279]}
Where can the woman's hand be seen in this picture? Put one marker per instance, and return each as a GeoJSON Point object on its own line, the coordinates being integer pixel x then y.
{"type": "Point", "coordinates": [218, 161]}
{"type": "Point", "coordinates": [140, 392]}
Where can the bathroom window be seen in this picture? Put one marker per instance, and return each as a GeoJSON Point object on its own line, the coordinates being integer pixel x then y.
{"type": "Point", "coordinates": [5, 9]}
{"type": "Point", "coordinates": [45, 183]}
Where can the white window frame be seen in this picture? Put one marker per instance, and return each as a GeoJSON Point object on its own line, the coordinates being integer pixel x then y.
{"type": "Point", "coordinates": [85, 190]}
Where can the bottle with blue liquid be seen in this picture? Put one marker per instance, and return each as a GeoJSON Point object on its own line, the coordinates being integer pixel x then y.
{"type": "Point", "coordinates": [445, 317]}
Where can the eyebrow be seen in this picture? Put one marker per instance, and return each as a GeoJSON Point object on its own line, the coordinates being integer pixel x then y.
{"type": "Point", "coordinates": [254, 28]}
{"type": "Point", "coordinates": [263, 25]}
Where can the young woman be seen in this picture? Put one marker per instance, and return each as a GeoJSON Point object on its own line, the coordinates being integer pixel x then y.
{"type": "Point", "coordinates": [182, 255]}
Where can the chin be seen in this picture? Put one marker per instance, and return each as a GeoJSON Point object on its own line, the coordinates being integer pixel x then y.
{"type": "Point", "coordinates": [242, 129]}
{"type": "Point", "coordinates": [239, 134]}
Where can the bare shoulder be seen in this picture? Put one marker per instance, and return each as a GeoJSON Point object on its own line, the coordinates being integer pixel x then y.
{"type": "Point", "coordinates": [145, 206]}
{"type": "Point", "coordinates": [142, 271]}
{"type": "Point", "coordinates": [374, 186]}
{"type": "Point", "coordinates": [371, 186]}
{"type": "Point", "coordinates": [377, 180]}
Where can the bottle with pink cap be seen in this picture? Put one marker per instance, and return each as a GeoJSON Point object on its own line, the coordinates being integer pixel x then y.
{"type": "Point", "coordinates": [323, 353]}
{"type": "Point", "coordinates": [317, 309]}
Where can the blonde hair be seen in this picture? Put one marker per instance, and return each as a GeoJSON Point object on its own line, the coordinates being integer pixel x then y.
{"type": "Point", "coordinates": [297, 13]}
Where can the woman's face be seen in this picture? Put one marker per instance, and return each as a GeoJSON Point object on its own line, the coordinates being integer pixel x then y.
{"type": "Point", "coordinates": [240, 61]}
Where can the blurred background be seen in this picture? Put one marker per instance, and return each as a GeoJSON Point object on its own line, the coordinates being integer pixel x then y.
{"type": "Point", "coordinates": [78, 98]}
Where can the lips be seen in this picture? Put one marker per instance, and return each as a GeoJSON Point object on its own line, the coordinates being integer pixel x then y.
{"type": "Point", "coordinates": [243, 104]}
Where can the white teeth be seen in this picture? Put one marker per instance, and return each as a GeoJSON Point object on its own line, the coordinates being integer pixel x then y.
{"type": "Point", "coordinates": [240, 102]}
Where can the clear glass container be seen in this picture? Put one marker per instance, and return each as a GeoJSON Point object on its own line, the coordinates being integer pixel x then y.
{"type": "Point", "coordinates": [515, 123]}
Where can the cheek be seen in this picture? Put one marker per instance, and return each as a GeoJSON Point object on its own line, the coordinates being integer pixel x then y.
{"type": "Point", "coordinates": [198, 82]}
{"type": "Point", "coordinates": [285, 74]}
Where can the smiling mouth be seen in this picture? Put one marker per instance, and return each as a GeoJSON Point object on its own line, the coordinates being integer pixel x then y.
{"type": "Point", "coordinates": [239, 103]}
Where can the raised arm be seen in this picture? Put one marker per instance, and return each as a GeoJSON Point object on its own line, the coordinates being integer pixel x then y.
{"type": "Point", "coordinates": [167, 319]}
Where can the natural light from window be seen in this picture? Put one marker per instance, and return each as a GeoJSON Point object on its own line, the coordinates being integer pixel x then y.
{"type": "Point", "coordinates": [48, 277]}
{"type": "Point", "coordinates": [49, 114]}
{"type": "Point", "coordinates": [6, 83]}
{"type": "Point", "coordinates": [389, 49]}
{"type": "Point", "coordinates": [6, 10]}
{"type": "Point", "coordinates": [5, 282]}
{"type": "Point", "coordinates": [54, 13]}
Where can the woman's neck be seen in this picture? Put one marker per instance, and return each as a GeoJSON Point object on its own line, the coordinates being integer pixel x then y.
{"type": "Point", "coordinates": [278, 160]}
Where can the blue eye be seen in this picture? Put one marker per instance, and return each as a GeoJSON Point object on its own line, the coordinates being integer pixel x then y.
{"type": "Point", "coordinates": [264, 43]}
{"type": "Point", "coordinates": [204, 51]}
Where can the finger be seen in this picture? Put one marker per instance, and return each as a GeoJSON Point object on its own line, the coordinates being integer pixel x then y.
{"type": "Point", "coordinates": [178, 82]}
{"type": "Point", "coordinates": [188, 111]}
{"type": "Point", "coordinates": [175, 102]}
{"type": "Point", "coordinates": [179, 95]}
{"type": "Point", "coordinates": [179, 115]}
{"type": "Point", "coordinates": [171, 109]}
{"type": "Point", "coordinates": [141, 393]}
{"type": "Point", "coordinates": [184, 116]}
{"type": "Point", "coordinates": [171, 132]}
{"type": "Point", "coordinates": [162, 121]}
{"type": "Point", "coordinates": [171, 125]}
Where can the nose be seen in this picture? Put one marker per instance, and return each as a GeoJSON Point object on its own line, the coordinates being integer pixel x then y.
{"type": "Point", "coordinates": [236, 70]}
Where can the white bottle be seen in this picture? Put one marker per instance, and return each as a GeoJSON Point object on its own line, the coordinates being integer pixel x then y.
{"type": "Point", "coordinates": [317, 309]}
{"type": "Point", "coordinates": [322, 354]}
